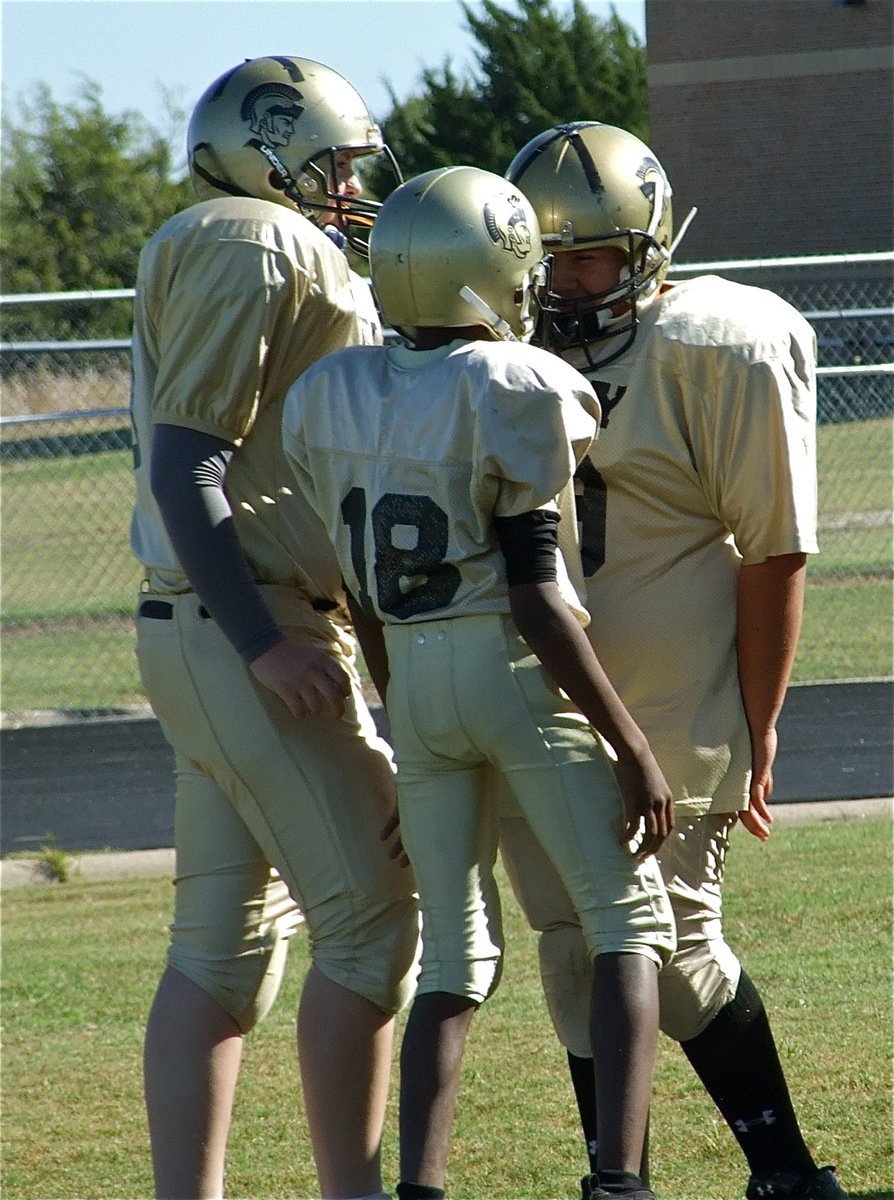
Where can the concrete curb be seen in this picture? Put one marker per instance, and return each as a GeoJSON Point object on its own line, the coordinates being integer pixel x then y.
{"type": "Point", "coordinates": [150, 864]}
{"type": "Point", "coordinates": [90, 868]}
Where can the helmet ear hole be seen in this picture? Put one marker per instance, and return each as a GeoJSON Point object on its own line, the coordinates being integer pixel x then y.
{"type": "Point", "coordinates": [276, 181]}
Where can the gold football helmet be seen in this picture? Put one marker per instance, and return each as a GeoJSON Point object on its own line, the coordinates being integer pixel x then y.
{"type": "Point", "coordinates": [596, 185]}
{"type": "Point", "coordinates": [457, 246]}
{"type": "Point", "coordinates": [274, 128]}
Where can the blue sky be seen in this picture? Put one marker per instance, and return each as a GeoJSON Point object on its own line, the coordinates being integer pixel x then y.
{"type": "Point", "coordinates": [135, 49]}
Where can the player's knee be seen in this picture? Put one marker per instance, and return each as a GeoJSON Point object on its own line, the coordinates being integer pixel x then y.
{"type": "Point", "coordinates": [374, 956]}
{"type": "Point", "coordinates": [246, 984]}
{"type": "Point", "coordinates": [566, 972]}
{"type": "Point", "coordinates": [474, 978]}
{"type": "Point", "coordinates": [699, 981]}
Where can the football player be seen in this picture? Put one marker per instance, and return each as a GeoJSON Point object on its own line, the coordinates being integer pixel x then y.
{"type": "Point", "coordinates": [697, 506]}
{"type": "Point", "coordinates": [244, 640]}
{"type": "Point", "coordinates": [440, 469]}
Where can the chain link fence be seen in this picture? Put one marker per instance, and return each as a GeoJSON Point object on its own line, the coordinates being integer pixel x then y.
{"type": "Point", "coordinates": [69, 581]}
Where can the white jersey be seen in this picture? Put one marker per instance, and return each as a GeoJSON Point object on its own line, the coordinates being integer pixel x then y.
{"type": "Point", "coordinates": [408, 456]}
{"type": "Point", "coordinates": [706, 459]}
{"type": "Point", "coordinates": [235, 298]}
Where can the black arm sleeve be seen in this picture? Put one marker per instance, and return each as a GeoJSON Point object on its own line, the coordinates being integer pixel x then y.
{"type": "Point", "coordinates": [528, 543]}
{"type": "Point", "coordinates": [188, 472]}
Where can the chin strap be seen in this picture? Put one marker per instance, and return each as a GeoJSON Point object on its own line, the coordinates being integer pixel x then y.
{"type": "Point", "coordinates": [220, 185]}
{"type": "Point", "coordinates": [675, 243]}
{"type": "Point", "coordinates": [501, 328]}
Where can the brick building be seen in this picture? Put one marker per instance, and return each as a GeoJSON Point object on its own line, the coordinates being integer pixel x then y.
{"type": "Point", "coordinates": [774, 117]}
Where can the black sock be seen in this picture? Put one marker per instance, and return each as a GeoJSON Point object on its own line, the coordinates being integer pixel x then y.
{"type": "Point", "coordinates": [583, 1077]}
{"type": "Point", "coordinates": [419, 1191]}
{"type": "Point", "coordinates": [737, 1061]}
{"type": "Point", "coordinates": [584, 1083]}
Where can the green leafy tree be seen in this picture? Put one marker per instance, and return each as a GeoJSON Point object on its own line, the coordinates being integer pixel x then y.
{"type": "Point", "coordinates": [535, 67]}
{"type": "Point", "coordinates": [81, 191]}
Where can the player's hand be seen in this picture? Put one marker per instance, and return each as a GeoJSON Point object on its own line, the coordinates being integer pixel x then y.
{"type": "Point", "coordinates": [757, 817]}
{"type": "Point", "coordinates": [648, 802]}
{"type": "Point", "coordinates": [307, 680]}
{"type": "Point", "coordinates": [391, 833]}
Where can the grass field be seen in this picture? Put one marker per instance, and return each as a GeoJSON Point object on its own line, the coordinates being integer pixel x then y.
{"type": "Point", "coordinates": [810, 912]}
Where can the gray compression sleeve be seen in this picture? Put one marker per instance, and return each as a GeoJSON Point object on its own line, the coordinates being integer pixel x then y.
{"type": "Point", "coordinates": [187, 474]}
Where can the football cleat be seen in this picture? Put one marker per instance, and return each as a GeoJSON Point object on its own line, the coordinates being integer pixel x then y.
{"type": "Point", "coordinates": [591, 1190]}
{"type": "Point", "coordinates": [785, 1185]}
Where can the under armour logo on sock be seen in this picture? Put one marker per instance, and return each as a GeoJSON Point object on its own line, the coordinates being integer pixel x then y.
{"type": "Point", "coordinates": [592, 1147]}
{"type": "Point", "coordinates": [767, 1117]}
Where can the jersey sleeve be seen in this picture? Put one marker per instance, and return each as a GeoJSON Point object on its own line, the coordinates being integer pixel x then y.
{"type": "Point", "coordinates": [756, 449]}
{"type": "Point", "coordinates": [302, 396]}
{"type": "Point", "coordinates": [225, 305]}
{"type": "Point", "coordinates": [367, 314]}
{"type": "Point", "coordinates": [318, 471]}
{"type": "Point", "coordinates": [306, 434]}
{"type": "Point", "coordinates": [533, 429]}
